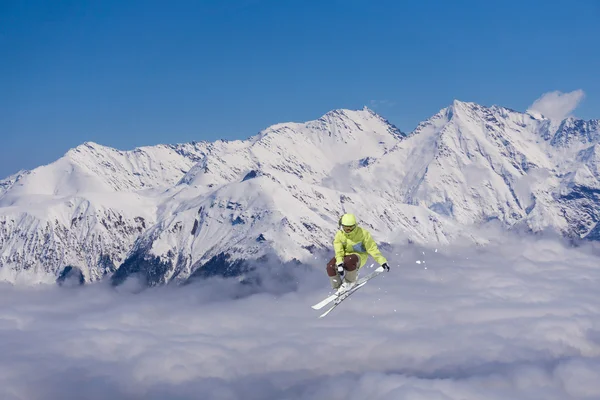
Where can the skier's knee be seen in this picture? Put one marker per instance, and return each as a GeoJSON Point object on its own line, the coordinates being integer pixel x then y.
{"type": "Point", "coordinates": [351, 262]}
{"type": "Point", "coordinates": [331, 270]}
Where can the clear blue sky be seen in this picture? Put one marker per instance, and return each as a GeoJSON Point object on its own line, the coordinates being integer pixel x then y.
{"type": "Point", "coordinates": [131, 73]}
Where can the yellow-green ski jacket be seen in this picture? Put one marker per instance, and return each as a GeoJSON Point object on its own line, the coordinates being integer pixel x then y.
{"type": "Point", "coordinates": [358, 242]}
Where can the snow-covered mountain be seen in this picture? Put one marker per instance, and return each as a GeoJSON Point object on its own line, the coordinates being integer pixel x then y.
{"type": "Point", "coordinates": [169, 212]}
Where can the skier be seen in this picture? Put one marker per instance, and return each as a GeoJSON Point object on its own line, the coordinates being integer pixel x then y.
{"type": "Point", "coordinates": [352, 245]}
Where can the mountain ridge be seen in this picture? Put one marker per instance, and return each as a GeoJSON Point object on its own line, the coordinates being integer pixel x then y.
{"type": "Point", "coordinates": [175, 208]}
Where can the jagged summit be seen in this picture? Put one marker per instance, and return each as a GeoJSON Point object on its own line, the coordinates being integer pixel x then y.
{"type": "Point", "coordinates": [309, 150]}
{"type": "Point", "coordinates": [572, 131]}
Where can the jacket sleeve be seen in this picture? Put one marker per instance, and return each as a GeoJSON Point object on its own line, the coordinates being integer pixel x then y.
{"type": "Point", "coordinates": [338, 246]}
{"type": "Point", "coordinates": [372, 249]}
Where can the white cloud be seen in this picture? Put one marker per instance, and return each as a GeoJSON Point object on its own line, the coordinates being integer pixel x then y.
{"type": "Point", "coordinates": [517, 320]}
{"type": "Point", "coordinates": [557, 105]}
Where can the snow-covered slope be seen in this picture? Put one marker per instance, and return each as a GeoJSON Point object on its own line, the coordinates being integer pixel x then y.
{"type": "Point", "coordinates": [167, 211]}
{"type": "Point", "coordinates": [579, 194]}
{"type": "Point", "coordinates": [280, 191]}
{"type": "Point", "coordinates": [87, 208]}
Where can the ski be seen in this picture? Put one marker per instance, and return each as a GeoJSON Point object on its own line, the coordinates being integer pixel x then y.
{"type": "Point", "coordinates": [323, 303]}
{"type": "Point", "coordinates": [334, 296]}
{"type": "Point", "coordinates": [347, 294]}
{"type": "Point", "coordinates": [359, 283]}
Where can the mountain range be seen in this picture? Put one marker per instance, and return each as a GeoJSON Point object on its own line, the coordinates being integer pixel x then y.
{"type": "Point", "coordinates": [167, 213]}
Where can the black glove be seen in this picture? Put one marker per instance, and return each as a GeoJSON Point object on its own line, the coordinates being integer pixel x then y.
{"type": "Point", "coordinates": [340, 268]}
{"type": "Point", "coordinates": [386, 266]}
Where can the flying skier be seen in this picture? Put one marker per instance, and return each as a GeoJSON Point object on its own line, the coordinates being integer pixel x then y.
{"type": "Point", "coordinates": [352, 245]}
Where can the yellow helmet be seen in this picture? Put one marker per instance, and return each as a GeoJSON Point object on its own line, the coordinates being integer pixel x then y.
{"type": "Point", "coordinates": [348, 220]}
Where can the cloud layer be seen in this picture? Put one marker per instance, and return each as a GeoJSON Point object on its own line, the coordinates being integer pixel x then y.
{"type": "Point", "coordinates": [517, 320]}
{"type": "Point", "coordinates": [558, 105]}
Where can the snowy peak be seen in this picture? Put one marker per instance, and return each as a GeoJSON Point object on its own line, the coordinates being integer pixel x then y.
{"type": "Point", "coordinates": [148, 167]}
{"type": "Point", "coordinates": [467, 162]}
{"type": "Point", "coordinates": [576, 131]}
{"type": "Point", "coordinates": [462, 109]}
{"type": "Point", "coordinates": [586, 171]}
{"type": "Point", "coordinates": [362, 120]}
{"type": "Point", "coordinates": [579, 194]}
{"type": "Point", "coordinates": [8, 182]}
{"type": "Point", "coordinates": [338, 126]}
{"type": "Point", "coordinates": [460, 112]}
{"type": "Point", "coordinates": [93, 168]}
{"type": "Point", "coordinates": [307, 150]}
{"type": "Point", "coordinates": [494, 115]}
{"type": "Point", "coordinates": [496, 133]}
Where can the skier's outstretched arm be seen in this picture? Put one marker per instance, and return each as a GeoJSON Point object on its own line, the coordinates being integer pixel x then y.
{"type": "Point", "coordinates": [374, 252]}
